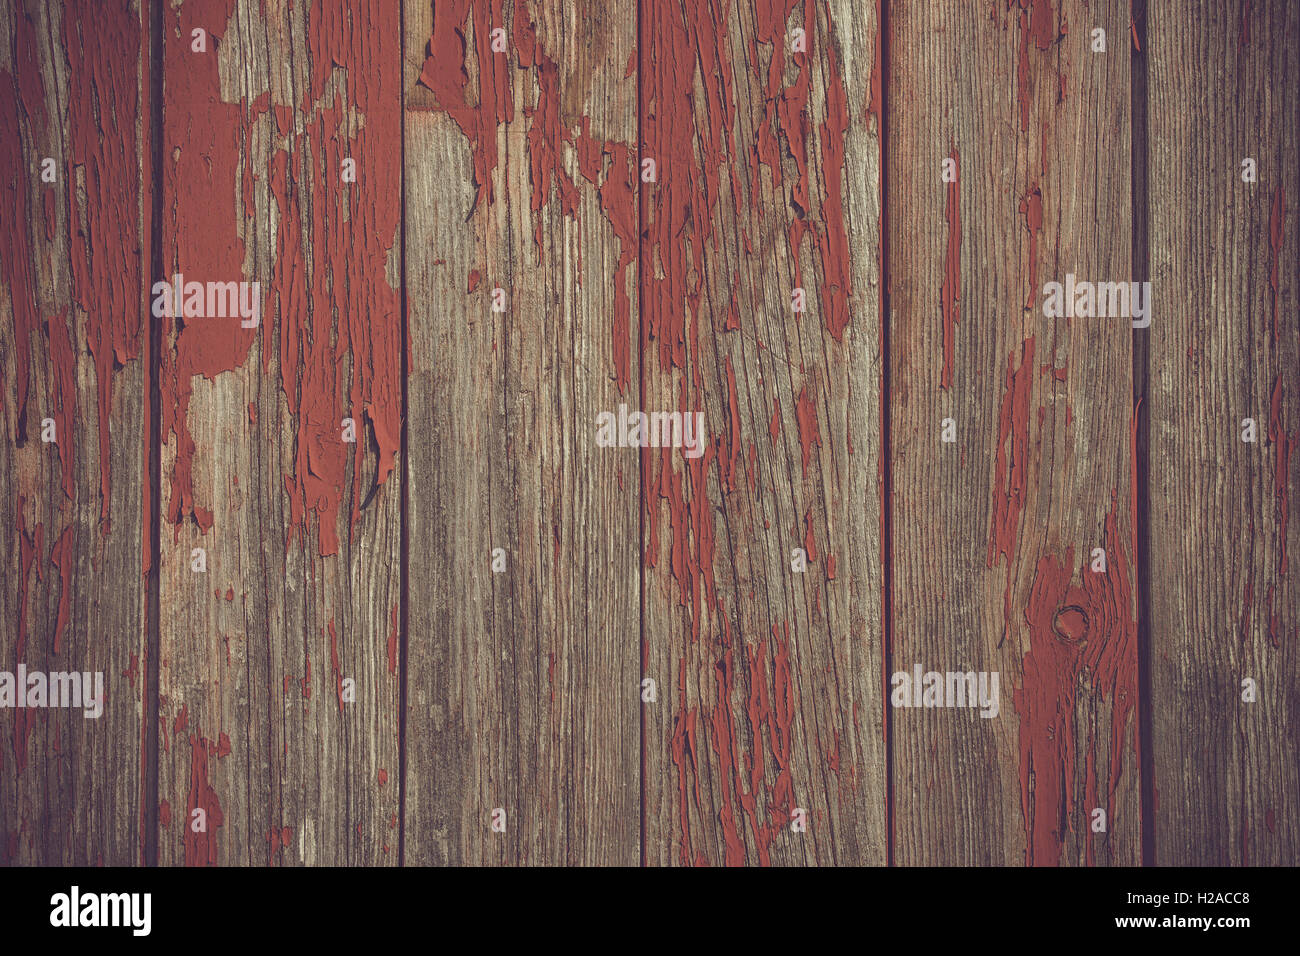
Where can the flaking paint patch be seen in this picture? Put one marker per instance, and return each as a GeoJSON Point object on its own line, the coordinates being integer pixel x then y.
{"type": "Point", "coordinates": [1098, 649]}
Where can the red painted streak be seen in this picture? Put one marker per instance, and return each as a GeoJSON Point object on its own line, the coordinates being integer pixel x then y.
{"type": "Point", "coordinates": [1064, 655]}
{"type": "Point", "coordinates": [809, 538]}
{"type": "Point", "coordinates": [950, 290]}
{"type": "Point", "coordinates": [201, 847]}
{"type": "Point", "coordinates": [392, 643]}
{"type": "Point", "coordinates": [1031, 207]}
{"type": "Point", "coordinates": [1276, 220]}
{"type": "Point", "coordinates": [1283, 445]}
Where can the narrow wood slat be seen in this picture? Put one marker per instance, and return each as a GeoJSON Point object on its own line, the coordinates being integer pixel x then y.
{"type": "Point", "coordinates": [993, 534]}
{"type": "Point", "coordinates": [301, 529]}
{"type": "Point", "coordinates": [767, 181]}
{"type": "Point", "coordinates": [522, 685]}
{"type": "Point", "coordinates": [73, 351]}
{"type": "Point", "coordinates": [1225, 585]}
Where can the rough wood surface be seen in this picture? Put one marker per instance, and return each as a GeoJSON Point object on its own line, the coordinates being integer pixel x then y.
{"type": "Point", "coordinates": [499, 628]}
{"type": "Point", "coordinates": [1225, 586]}
{"type": "Point", "coordinates": [993, 533]}
{"type": "Point", "coordinates": [301, 529]}
{"type": "Point", "coordinates": [522, 683]}
{"type": "Point", "coordinates": [768, 676]}
{"type": "Point", "coordinates": [73, 350]}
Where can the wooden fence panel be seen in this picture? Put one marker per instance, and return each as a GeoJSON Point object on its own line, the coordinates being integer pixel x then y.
{"type": "Point", "coordinates": [522, 732]}
{"type": "Point", "coordinates": [279, 689]}
{"type": "Point", "coordinates": [763, 585]}
{"type": "Point", "coordinates": [995, 531]}
{"type": "Point", "coordinates": [1225, 587]}
{"type": "Point", "coordinates": [74, 386]}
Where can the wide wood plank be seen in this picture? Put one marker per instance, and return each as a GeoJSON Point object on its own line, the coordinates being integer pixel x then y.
{"type": "Point", "coordinates": [1225, 585]}
{"type": "Point", "coordinates": [522, 680]}
{"type": "Point", "coordinates": [994, 532]}
{"type": "Point", "coordinates": [74, 81]}
{"type": "Point", "coordinates": [279, 687]}
{"type": "Point", "coordinates": [762, 545]}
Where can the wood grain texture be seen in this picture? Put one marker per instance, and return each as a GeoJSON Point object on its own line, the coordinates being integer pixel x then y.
{"type": "Point", "coordinates": [993, 533]}
{"type": "Point", "coordinates": [485, 236]}
{"type": "Point", "coordinates": [521, 684]}
{"type": "Point", "coordinates": [73, 82]}
{"type": "Point", "coordinates": [301, 529]}
{"type": "Point", "coordinates": [769, 677]}
{"type": "Point", "coordinates": [1225, 585]}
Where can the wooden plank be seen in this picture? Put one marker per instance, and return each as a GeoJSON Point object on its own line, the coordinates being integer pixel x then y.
{"type": "Point", "coordinates": [1225, 586]}
{"type": "Point", "coordinates": [522, 684]}
{"type": "Point", "coordinates": [73, 88]}
{"type": "Point", "coordinates": [769, 676]}
{"type": "Point", "coordinates": [300, 528]}
{"type": "Point", "coordinates": [994, 532]}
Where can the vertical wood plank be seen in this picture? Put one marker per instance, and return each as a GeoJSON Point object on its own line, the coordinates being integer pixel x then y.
{"type": "Point", "coordinates": [994, 532]}
{"type": "Point", "coordinates": [769, 676]}
{"type": "Point", "coordinates": [522, 684]}
{"type": "Point", "coordinates": [73, 344]}
{"type": "Point", "coordinates": [1225, 586]}
{"type": "Point", "coordinates": [279, 691]}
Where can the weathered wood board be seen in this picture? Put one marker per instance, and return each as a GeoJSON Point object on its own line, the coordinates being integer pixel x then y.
{"type": "Point", "coordinates": [522, 732]}
{"type": "Point", "coordinates": [763, 583]}
{"type": "Point", "coordinates": [1225, 586]}
{"type": "Point", "coordinates": [994, 531]}
{"type": "Point", "coordinates": [279, 690]}
{"type": "Point", "coordinates": [74, 386]}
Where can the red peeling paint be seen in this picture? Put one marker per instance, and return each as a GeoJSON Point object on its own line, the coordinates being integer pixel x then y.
{"type": "Point", "coordinates": [809, 539]}
{"type": "Point", "coordinates": [445, 75]}
{"type": "Point", "coordinates": [1078, 636]}
{"type": "Point", "coordinates": [475, 277]}
{"type": "Point", "coordinates": [164, 814]}
{"type": "Point", "coordinates": [383, 776]}
{"type": "Point", "coordinates": [392, 643]}
{"type": "Point", "coordinates": [950, 290]}
{"type": "Point", "coordinates": [201, 847]}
